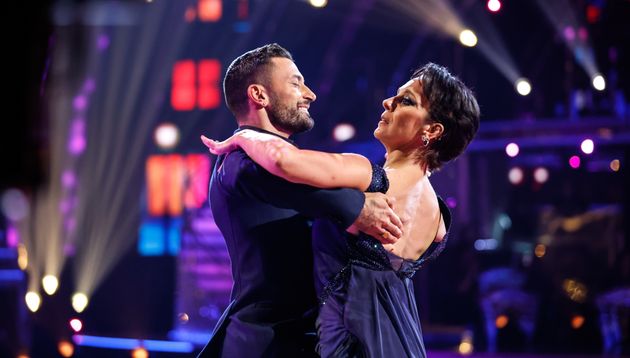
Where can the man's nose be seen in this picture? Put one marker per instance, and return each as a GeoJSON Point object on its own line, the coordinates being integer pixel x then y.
{"type": "Point", "coordinates": [308, 94]}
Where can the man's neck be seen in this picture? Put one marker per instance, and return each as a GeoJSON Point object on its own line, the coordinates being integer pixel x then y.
{"type": "Point", "coordinates": [263, 124]}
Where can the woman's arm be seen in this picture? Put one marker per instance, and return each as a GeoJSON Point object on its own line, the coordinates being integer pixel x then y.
{"type": "Point", "coordinates": [318, 169]}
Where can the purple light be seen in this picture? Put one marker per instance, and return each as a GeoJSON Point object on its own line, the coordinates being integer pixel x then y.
{"type": "Point", "coordinates": [451, 202]}
{"type": "Point", "coordinates": [89, 85]}
{"type": "Point", "coordinates": [582, 33]}
{"type": "Point", "coordinates": [80, 103]}
{"type": "Point", "coordinates": [76, 145]}
{"type": "Point", "coordinates": [65, 206]}
{"type": "Point", "coordinates": [569, 33]}
{"type": "Point", "coordinates": [103, 42]}
{"type": "Point", "coordinates": [574, 162]}
{"type": "Point", "coordinates": [13, 237]}
{"type": "Point", "coordinates": [68, 179]}
{"type": "Point", "coordinates": [68, 249]}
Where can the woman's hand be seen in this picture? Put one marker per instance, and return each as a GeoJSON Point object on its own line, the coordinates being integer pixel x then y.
{"type": "Point", "coordinates": [219, 148]}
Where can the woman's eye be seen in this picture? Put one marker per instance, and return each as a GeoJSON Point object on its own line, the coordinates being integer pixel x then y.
{"type": "Point", "coordinates": [407, 101]}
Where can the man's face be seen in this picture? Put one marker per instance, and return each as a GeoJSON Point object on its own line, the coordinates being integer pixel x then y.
{"type": "Point", "coordinates": [289, 97]}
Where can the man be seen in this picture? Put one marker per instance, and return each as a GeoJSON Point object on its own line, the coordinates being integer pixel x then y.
{"type": "Point", "coordinates": [266, 220]}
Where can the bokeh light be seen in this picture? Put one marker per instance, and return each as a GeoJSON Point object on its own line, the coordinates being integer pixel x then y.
{"type": "Point", "coordinates": [76, 325]}
{"type": "Point", "coordinates": [575, 162]}
{"type": "Point", "coordinates": [515, 175]}
{"type": "Point", "coordinates": [501, 321]}
{"type": "Point", "coordinates": [318, 3]}
{"type": "Point", "coordinates": [33, 300]}
{"type": "Point", "coordinates": [494, 5]}
{"type": "Point", "coordinates": [599, 83]}
{"type": "Point", "coordinates": [615, 165]}
{"type": "Point", "coordinates": [587, 146]}
{"type": "Point", "coordinates": [79, 302]}
{"type": "Point", "coordinates": [50, 284]}
{"type": "Point", "coordinates": [66, 349]}
{"type": "Point", "coordinates": [343, 132]}
{"type": "Point", "coordinates": [166, 135]}
{"type": "Point", "coordinates": [541, 175]}
{"type": "Point", "coordinates": [512, 150]}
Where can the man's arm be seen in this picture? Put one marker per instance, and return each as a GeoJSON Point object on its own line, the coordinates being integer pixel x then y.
{"type": "Point", "coordinates": [371, 214]}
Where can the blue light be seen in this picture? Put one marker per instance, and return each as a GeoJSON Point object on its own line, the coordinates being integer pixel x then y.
{"type": "Point", "coordinates": [11, 275]}
{"type": "Point", "coordinates": [241, 27]}
{"type": "Point", "coordinates": [130, 343]}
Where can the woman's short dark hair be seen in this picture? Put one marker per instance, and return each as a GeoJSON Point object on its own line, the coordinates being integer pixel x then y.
{"type": "Point", "coordinates": [250, 67]}
{"type": "Point", "coordinates": [453, 105]}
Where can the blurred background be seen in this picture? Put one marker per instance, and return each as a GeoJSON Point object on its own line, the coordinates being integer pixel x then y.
{"type": "Point", "coordinates": [108, 247]}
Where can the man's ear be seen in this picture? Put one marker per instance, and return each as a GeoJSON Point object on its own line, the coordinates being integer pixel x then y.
{"type": "Point", "coordinates": [258, 95]}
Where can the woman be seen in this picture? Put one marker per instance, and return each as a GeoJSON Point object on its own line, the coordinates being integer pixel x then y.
{"type": "Point", "coordinates": [367, 304]}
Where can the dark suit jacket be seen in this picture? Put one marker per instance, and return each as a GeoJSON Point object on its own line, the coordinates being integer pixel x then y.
{"type": "Point", "coordinates": [266, 224]}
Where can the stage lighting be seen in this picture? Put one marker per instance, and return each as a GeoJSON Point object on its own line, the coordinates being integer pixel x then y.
{"type": "Point", "coordinates": [66, 349]}
{"type": "Point", "coordinates": [515, 175]}
{"type": "Point", "coordinates": [343, 132]}
{"type": "Point", "coordinates": [599, 83]}
{"type": "Point", "coordinates": [318, 3]}
{"type": "Point", "coordinates": [33, 301]}
{"type": "Point", "coordinates": [540, 250]}
{"type": "Point", "coordinates": [523, 87]}
{"type": "Point", "coordinates": [587, 146]}
{"type": "Point", "coordinates": [76, 325]}
{"type": "Point", "coordinates": [468, 38]}
{"type": "Point", "coordinates": [139, 353]}
{"type": "Point", "coordinates": [15, 205]}
{"type": "Point", "coordinates": [512, 149]}
{"type": "Point", "coordinates": [541, 175]}
{"type": "Point", "coordinates": [494, 5]}
{"type": "Point", "coordinates": [50, 284]}
{"type": "Point", "coordinates": [166, 136]}
{"type": "Point", "coordinates": [577, 321]}
{"type": "Point", "coordinates": [501, 321]}
{"type": "Point", "coordinates": [615, 165]}
{"type": "Point", "coordinates": [22, 257]}
{"type": "Point", "coordinates": [575, 162]}
{"type": "Point", "coordinates": [79, 302]}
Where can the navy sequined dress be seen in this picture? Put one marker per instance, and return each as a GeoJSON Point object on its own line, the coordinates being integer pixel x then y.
{"type": "Point", "coordinates": [366, 296]}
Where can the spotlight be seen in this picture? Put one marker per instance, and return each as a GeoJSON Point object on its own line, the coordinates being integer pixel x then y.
{"type": "Point", "coordinates": [523, 87]}
{"type": "Point", "coordinates": [50, 284]}
{"type": "Point", "coordinates": [76, 325]}
{"type": "Point", "coordinates": [318, 3]}
{"type": "Point", "coordinates": [466, 344]}
{"type": "Point", "coordinates": [515, 175]}
{"type": "Point", "coordinates": [22, 257]}
{"type": "Point", "coordinates": [587, 146]}
{"type": "Point", "coordinates": [494, 5]}
{"type": "Point", "coordinates": [79, 302]}
{"type": "Point", "coordinates": [66, 349]}
{"type": "Point", "coordinates": [166, 135]}
{"type": "Point", "coordinates": [541, 175]}
{"type": "Point", "coordinates": [343, 132]}
{"type": "Point", "coordinates": [575, 162]}
{"type": "Point", "coordinates": [468, 38]}
{"type": "Point", "coordinates": [512, 149]}
{"type": "Point", "coordinates": [33, 301]}
{"type": "Point", "coordinates": [599, 83]}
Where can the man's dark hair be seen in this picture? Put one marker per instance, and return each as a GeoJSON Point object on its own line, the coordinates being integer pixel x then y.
{"type": "Point", "coordinates": [251, 67]}
{"type": "Point", "coordinates": [453, 105]}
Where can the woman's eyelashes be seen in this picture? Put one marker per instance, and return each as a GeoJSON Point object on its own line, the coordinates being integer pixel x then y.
{"type": "Point", "coordinates": [405, 101]}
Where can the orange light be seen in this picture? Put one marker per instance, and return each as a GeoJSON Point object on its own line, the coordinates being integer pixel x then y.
{"type": "Point", "coordinates": [139, 353]}
{"type": "Point", "coordinates": [209, 95]}
{"type": "Point", "coordinates": [501, 321]}
{"type": "Point", "coordinates": [210, 10]}
{"type": "Point", "coordinates": [66, 349]}
{"type": "Point", "coordinates": [540, 250]}
{"type": "Point", "coordinates": [577, 321]}
{"type": "Point", "coordinates": [184, 89]}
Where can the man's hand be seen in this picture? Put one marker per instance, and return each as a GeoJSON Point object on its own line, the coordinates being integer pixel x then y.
{"type": "Point", "coordinates": [378, 220]}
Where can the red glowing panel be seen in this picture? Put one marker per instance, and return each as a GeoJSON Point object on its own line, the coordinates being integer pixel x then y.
{"type": "Point", "coordinates": [198, 173]}
{"type": "Point", "coordinates": [210, 10]}
{"type": "Point", "coordinates": [592, 14]}
{"type": "Point", "coordinates": [243, 9]}
{"type": "Point", "coordinates": [183, 92]}
{"type": "Point", "coordinates": [175, 182]}
{"type": "Point", "coordinates": [209, 95]}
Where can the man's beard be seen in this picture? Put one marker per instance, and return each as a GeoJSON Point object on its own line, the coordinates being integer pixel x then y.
{"type": "Point", "coordinates": [288, 119]}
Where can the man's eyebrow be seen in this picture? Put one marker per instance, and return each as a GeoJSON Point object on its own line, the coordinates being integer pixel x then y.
{"type": "Point", "coordinates": [298, 77]}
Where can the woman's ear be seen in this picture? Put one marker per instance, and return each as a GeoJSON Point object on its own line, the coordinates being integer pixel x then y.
{"type": "Point", "coordinates": [436, 130]}
{"type": "Point", "coordinates": [258, 95]}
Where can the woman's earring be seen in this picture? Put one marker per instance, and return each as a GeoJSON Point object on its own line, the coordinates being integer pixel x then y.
{"type": "Point", "coordinates": [425, 140]}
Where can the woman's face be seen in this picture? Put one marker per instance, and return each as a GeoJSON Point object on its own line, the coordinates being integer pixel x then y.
{"type": "Point", "coordinates": [404, 118]}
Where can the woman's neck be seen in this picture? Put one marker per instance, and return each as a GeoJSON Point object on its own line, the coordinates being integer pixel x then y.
{"type": "Point", "coordinates": [397, 159]}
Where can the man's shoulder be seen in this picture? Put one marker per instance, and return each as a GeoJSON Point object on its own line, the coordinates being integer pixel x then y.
{"type": "Point", "coordinates": [236, 168]}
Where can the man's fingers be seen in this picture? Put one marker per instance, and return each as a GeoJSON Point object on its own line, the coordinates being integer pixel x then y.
{"type": "Point", "coordinates": [393, 233]}
{"type": "Point", "coordinates": [390, 201]}
{"type": "Point", "coordinates": [396, 221]}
